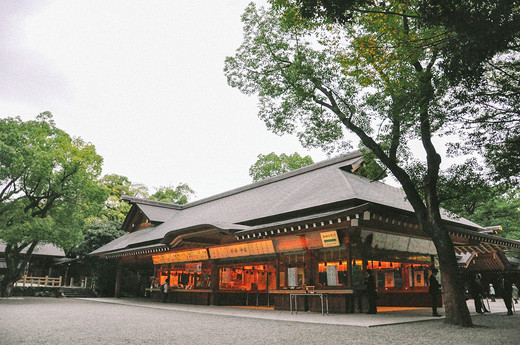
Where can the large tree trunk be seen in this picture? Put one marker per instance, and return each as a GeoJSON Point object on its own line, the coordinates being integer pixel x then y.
{"type": "Point", "coordinates": [16, 263]}
{"type": "Point", "coordinates": [6, 288]}
{"type": "Point", "coordinates": [456, 309]}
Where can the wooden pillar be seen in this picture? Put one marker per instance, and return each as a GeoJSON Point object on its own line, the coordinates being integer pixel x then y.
{"type": "Point", "coordinates": [119, 272]}
{"type": "Point", "coordinates": [277, 271]}
{"type": "Point", "coordinates": [311, 273]}
{"type": "Point", "coordinates": [214, 282]}
{"type": "Point", "coordinates": [349, 262]}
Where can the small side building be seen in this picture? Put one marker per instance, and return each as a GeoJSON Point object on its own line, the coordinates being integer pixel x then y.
{"type": "Point", "coordinates": [43, 261]}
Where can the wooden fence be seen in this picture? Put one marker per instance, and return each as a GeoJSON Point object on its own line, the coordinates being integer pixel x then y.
{"type": "Point", "coordinates": [39, 281]}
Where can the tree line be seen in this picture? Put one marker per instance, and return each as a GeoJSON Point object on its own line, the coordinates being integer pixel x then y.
{"type": "Point", "coordinates": [52, 191]}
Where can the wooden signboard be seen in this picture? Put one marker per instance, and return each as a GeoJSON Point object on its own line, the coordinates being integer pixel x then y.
{"type": "Point", "coordinates": [243, 249]}
{"type": "Point", "coordinates": [185, 256]}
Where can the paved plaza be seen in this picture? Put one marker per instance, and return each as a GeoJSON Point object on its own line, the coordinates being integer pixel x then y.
{"type": "Point", "coordinates": [32, 320]}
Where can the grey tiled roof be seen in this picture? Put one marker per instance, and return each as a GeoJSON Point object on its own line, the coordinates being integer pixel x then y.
{"type": "Point", "coordinates": [41, 249]}
{"type": "Point", "coordinates": [157, 214]}
{"type": "Point", "coordinates": [293, 194]}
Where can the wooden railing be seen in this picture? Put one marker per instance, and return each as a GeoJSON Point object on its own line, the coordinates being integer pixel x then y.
{"type": "Point", "coordinates": [39, 281]}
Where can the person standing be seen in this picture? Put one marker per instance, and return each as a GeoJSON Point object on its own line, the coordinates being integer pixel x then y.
{"type": "Point", "coordinates": [434, 289]}
{"type": "Point", "coordinates": [507, 294]}
{"type": "Point", "coordinates": [477, 293]}
{"type": "Point", "coordinates": [164, 290]}
{"type": "Point", "coordinates": [515, 293]}
{"type": "Point", "coordinates": [492, 292]}
{"type": "Point", "coordinates": [370, 285]}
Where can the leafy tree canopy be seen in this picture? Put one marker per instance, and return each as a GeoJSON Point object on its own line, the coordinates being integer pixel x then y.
{"type": "Point", "coordinates": [98, 233]}
{"type": "Point", "coordinates": [491, 116]}
{"type": "Point", "coordinates": [48, 188]}
{"type": "Point", "coordinates": [477, 44]}
{"type": "Point", "coordinates": [502, 209]}
{"type": "Point", "coordinates": [179, 194]}
{"type": "Point", "coordinates": [115, 209]}
{"type": "Point", "coordinates": [473, 31]}
{"type": "Point", "coordinates": [272, 165]}
{"type": "Point", "coordinates": [47, 182]}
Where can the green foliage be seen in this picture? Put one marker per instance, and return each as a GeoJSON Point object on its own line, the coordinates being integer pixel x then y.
{"type": "Point", "coordinates": [478, 31]}
{"type": "Point", "coordinates": [272, 165]}
{"type": "Point", "coordinates": [494, 123]}
{"type": "Point", "coordinates": [176, 195]}
{"type": "Point", "coordinates": [48, 188]}
{"type": "Point", "coordinates": [477, 46]}
{"type": "Point", "coordinates": [315, 80]}
{"type": "Point", "coordinates": [370, 168]}
{"type": "Point", "coordinates": [115, 209]}
{"type": "Point", "coordinates": [98, 233]}
{"type": "Point", "coordinates": [102, 271]}
{"type": "Point", "coordinates": [474, 30]}
{"type": "Point", "coordinates": [500, 209]}
{"type": "Point", "coordinates": [47, 182]}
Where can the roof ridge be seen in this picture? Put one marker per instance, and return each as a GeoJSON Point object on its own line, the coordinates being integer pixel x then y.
{"type": "Point", "coordinates": [149, 202]}
{"type": "Point", "coordinates": [300, 171]}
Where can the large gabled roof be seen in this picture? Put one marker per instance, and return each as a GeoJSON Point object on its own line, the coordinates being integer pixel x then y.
{"type": "Point", "coordinates": [320, 187]}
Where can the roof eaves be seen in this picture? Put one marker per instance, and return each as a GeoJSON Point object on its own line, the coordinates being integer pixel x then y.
{"type": "Point", "coordinates": [169, 236]}
{"type": "Point", "coordinates": [335, 213]}
{"type": "Point", "coordinates": [134, 200]}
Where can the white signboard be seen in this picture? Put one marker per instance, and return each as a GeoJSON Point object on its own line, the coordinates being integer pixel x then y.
{"type": "Point", "coordinates": [400, 243]}
{"type": "Point", "coordinates": [418, 245]}
{"type": "Point", "coordinates": [292, 276]}
{"type": "Point", "coordinates": [330, 238]}
{"type": "Point", "coordinates": [395, 242]}
{"type": "Point", "coordinates": [332, 275]}
{"type": "Point", "coordinates": [378, 240]}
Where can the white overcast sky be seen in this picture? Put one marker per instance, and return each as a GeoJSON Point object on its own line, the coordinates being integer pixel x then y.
{"type": "Point", "coordinates": [141, 80]}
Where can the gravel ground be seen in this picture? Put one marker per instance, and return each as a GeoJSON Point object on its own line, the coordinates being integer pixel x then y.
{"type": "Point", "coordinates": [75, 321]}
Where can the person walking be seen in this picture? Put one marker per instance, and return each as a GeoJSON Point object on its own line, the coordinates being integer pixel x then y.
{"type": "Point", "coordinates": [434, 289]}
{"type": "Point", "coordinates": [514, 293]}
{"type": "Point", "coordinates": [492, 292]}
{"type": "Point", "coordinates": [370, 285]}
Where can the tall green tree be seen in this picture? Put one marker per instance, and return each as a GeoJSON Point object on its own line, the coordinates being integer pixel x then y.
{"type": "Point", "coordinates": [377, 77]}
{"type": "Point", "coordinates": [272, 165]}
{"type": "Point", "coordinates": [48, 188]}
